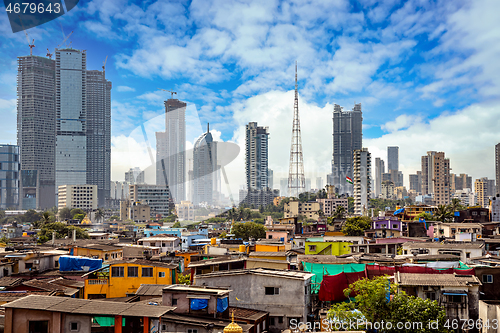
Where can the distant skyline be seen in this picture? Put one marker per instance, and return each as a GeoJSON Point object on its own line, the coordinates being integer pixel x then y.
{"type": "Point", "coordinates": [425, 72]}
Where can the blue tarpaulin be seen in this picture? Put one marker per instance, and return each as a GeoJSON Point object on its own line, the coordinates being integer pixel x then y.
{"type": "Point", "coordinates": [74, 263]}
{"type": "Point", "coordinates": [222, 304]}
{"type": "Point", "coordinates": [199, 304]}
{"type": "Point", "coordinates": [399, 211]}
{"type": "Point", "coordinates": [457, 214]}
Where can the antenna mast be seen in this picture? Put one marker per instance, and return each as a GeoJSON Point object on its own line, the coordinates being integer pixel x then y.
{"type": "Point", "coordinates": [296, 179]}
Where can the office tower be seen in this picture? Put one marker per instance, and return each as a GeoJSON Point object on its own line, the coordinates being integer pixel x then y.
{"type": "Point", "coordinates": [379, 170]}
{"type": "Point", "coordinates": [71, 117]}
{"type": "Point", "coordinates": [270, 178]}
{"type": "Point", "coordinates": [171, 150]}
{"type": "Point", "coordinates": [119, 190]}
{"type": "Point", "coordinates": [361, 180]}
{"type": "Point", "coordinates": [319, 183]}
{"type": "Point", "coordinates": [387, 190]}
{"type": "Point", "coordinates": [347, 137]}
{"type": "Point", "coordinates": [36, 130]}
{"type": "Point", "coordinates": [157, 197]}
{"type": "Point", "coordinates": [308, 185]}
{"type": "Point", "coordinates": [99, 133]}
{"type": "Point", "coordinates": [9, 177]}
{"type": "Point", "coordinates": [77, 196]}
{"type": "Point", "coordinates": [134, 176]}
{"type": "Point", "coordinates": [296, 181]}
{"type": "Point", "coordinates": [490, 186]}
{"type": "Point", "coordinates": [392, 158]}
{"type": "Point", "coordinates": [204, 168]}
{"type": "Point", "coordinates": [256, 156]}
{"type": "Point", "coordinates": [481, 191]}
{"type": "Point", "coordinates": [436, 177]}
{"type": "Point", "coordinates": [416, 182]}
{"type": "Point", "coordinates": [460, 182]}
{"type": "Point", "coordinates": [497, 167]}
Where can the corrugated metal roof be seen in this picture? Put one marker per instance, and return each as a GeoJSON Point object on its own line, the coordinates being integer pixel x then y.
{"type": "Point", "coordinates": [445, 280]}
{"type": "Point", "coordinates": [151, 289]}
{"type": "Point", "coordinates": [88, 307]}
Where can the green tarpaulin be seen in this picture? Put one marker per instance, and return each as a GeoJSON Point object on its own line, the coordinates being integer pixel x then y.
{"type": "Point", "coordinates": [328, 269]}
{"type": "Point", "coordinates": [107, 321]}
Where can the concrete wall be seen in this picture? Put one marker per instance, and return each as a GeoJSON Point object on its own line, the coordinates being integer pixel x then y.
{"type": "Point", "coordinates": [183, 303]}
{"type": "Point", "coordinates": [488, 312]}
{"type": "Point", "coordinates": [84, 323]}
{"type": "Point", "coordinates": [292, 301]}
{"type": "Point", "coordinates": [17, 320]}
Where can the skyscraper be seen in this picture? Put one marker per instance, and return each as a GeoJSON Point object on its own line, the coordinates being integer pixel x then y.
{"type": "Point", "coordinates": [497, 167]}
{"type": "Point", "coordinates": [204, 168]}
{"type": "Point", "coordinates": [9, 177]}
{"type": "Point", "coordinates": [481, 191]}
{"type": "Point", "coordinates": [171, 150]}
{"type": "Point", "coordinates": [71, 117]}
{"type": "Point", "coordinates": [256, 156]}
{"type": "Point", "coordinates": [436, 177]}
{"type": "Point", "coordinates": [392, 158]}
{"type": "Point", "coordinates": [99, 133]}
{"type": "Point", "coordinates": [134, 176]}
{"type": "Point", "coordinates": [347, 137]}
{"type": "Point", "coordinates": [416, 182]}
{"type": "Point", "coordinates": [379, 170]}
{"type": "Point", "coordinates": [36, 129]}
{"type": "Point", "coordinates": [361, 180]}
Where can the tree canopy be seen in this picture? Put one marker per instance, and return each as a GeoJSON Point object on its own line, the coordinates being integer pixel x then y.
{"type": "Point", "coordinates": [65, 214]}
{"type": "Point", "coordinates": [356, 226]}
{"type": "Point", "coordinates": [248, 230]}
{"type": "Point", "coordinates": [377, 301]}
{"type": "Point", "coordinates": [62, 230]}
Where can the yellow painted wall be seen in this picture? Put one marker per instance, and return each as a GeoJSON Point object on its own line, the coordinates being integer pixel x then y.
{"type": "Point", "coordinates": [121, 286]}
{"type": "Point", "coordinates": [101, 254]}
{"type": "Point", "coordinates": [329, 248]}
{"type": "Point", "coordinates": [269, 248]}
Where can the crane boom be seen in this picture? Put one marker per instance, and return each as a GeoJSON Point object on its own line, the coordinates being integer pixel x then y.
{"type": "Point", "coordinates": [172, 92]}
{"type": "Point", "coordinates": [65, 39]}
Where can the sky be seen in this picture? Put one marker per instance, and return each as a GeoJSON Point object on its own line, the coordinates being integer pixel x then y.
{"type": "Point", "coordinates": [426, 73]}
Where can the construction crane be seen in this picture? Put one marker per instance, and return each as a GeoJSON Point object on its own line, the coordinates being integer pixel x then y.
{"type": "Point", "coordinates": [65, 39]}
{"type": "Point", "coordinates": [104, 64]}
{"type": "Point", "coordinates": [32, 44]}
{"type": "Point", "coordinates": [172, 92]}
{"type": "Point", "coordinates": [49, 54]}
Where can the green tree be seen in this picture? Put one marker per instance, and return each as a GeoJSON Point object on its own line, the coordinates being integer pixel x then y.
{"type": "Point", "coordinates": [350, 205]}
{"type": "Point", "coordinates": [170, 218]}
{"type": "Point", "coordinates": [223, 235]}
{"type": "Point", "coordinates": [79, 217]}
{"type": "Point", "coordinates": [356, 226]}
{"type": "Point", "coordinates": [176, 225]}
{"type": "Point", "coordinates": [32, 216]}
{"type": "Point", "coordinates": [114, 217]}
{"type": "Point", "coordinates": [65, 214]}
{"type": "Point", "coordinates": [248, 230]}
{"type": "Point", "coordinates": [99, 214]}
{"type": "Point", "coordinates": [372, 305]}
{"type": "Point", "coordinates": [184, 279]}
{"type": "Point", "coordinates": [443, 213]}
{"type": "Point", "coordinates": [62, 230]}
{"type": "Point", "coordinates": [456, 205]}
{"type": "Point", "coordinates": [339, 212]}
{"type": "Point", "coordinates": [75, 211]}
{"type": "Point", "coordinates": [425, 216]}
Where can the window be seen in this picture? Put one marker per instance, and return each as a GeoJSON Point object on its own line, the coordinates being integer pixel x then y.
{"type": "Point", "coordinates": [174, 301]}
{"type": "Point", "coordinates": [487, 278]}
{"type": "Point", "coordinates": [455, 298]}
{"type": "Point", "coordinates": [272, 291]}
{"type": "Point", "coordinates": [280, 320]}
{"type": "Point", "coordinates": [118, 271]}
{"type": "Point", "coordinates": [467, 254]}
{"type": "Point", "coordinates": [192, 331]}
{"type": "Point", "coordinates": [73, 326]}
{"type": "Point", "coordinates": [161, 274]}
{"type": "Point", "coordinates": [133, 271]}
{"type": "Point", "coordinates": [147, 272]}
{"type": "Point", "coordinates": [163, 327]}
{"type": "Point", "coordinates": [312, 247]}
{"type": "Point", "coordinates": [271, 321]}
{"type": "Point", "coordinates": [431, 296]}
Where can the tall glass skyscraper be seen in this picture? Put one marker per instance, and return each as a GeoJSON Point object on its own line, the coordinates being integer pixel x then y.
{"type": "Point", "coordinates": [71, 116]}
{"type": "Point", "coordinates": [392, 158]}
{"type": "Point", "coordinates": [9, 177]}
{"type": "Point", "coordinates": [171, 150]}
{"type": "Point", "coordinates": [36, 128]}
{"type": "Point", "coordinates": [204, 169]}
{"type": "Point", "coordinates": [347, 137]}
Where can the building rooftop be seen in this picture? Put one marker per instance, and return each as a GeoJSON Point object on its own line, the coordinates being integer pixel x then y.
{"type": "Point", "coordinates": [87, 307]}
{"type": "Point", "coordinates": [144, 262]}
{"type": "Point", "coordinates": [444, 280]}
{"type": "Point", "coordinates": [296, 275]}
{"type": "Point", "coordinates": [267, 254]}
{"type": "Point", "coordinates": [151, 289]}
{"type": "Point", "coordinates": [158, 239]}
{"type": "Point", "coordinates": [458, 245]}
{"type": "Point", "coordinates": [182, 288]}
{"type": "Point", "coordinates": [209, 262]}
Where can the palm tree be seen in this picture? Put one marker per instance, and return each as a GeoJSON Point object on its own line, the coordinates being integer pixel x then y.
{"type": "Point", "coordinates": [455, 205]}
{"type": "Point", "coordinates": [443, 213]}
{"type": "Point", "coordinates": [99, 214]}
{"type": "Point", "coordinates": [339, 212]}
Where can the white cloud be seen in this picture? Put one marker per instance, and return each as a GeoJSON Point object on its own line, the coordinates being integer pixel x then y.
{"type": "Point", "coordinates": [467, 137]}
{"type": "Point", "coordinates": [124, 89]}
{"type": "Point", "coordinates": [401, 122]}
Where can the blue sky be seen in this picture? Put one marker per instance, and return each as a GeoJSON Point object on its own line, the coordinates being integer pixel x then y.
{"type": "Point", "coordinates": [426, 72]}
